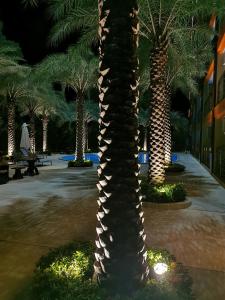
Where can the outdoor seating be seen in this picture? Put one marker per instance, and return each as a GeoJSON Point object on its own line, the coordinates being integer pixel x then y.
{"type": "Point", "coordinates": [32, 168]}
{"type": "Point", "coordinates": [4, 170]}
{"type": "Point", "coordinates": [30, 159]}
{"type": "Point", "coordinates": [4, 174]}
{"type": "Point", "coordinates": [18, 174]}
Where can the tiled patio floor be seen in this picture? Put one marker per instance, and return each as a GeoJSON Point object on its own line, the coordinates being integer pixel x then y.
{"type": "Point", "coordinates": [59, 205]}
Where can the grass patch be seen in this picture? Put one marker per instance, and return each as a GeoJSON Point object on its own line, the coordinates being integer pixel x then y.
{"type": "Point", "coordinates": [163, 193]}
{"type": "Point", "coordinates": [66, 274]}
{"type": "Point", "coordinates": [76, 164]}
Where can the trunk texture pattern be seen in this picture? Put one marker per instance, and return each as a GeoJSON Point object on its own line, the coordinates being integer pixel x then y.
{"type": "Point", "coordinates": [32, 133]}
{"type": "Point", "coordinates": [157, 113]}
{"type": "Point", "coordinates": [45, 133]}
{"type": "Point", "coordinates": [167, 128]}
{"type": "Point", "coordinates": [11, 127]}
{"type": "Point", "coordinates": [80, 131]}
{"type": "Point", "coordinates": [120, 249]}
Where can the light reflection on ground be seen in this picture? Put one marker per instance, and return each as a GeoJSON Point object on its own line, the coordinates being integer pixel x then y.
{"type": "Point", "coordinates": [60, 205]}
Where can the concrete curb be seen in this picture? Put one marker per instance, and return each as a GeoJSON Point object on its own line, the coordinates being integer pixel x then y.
{"type": "Point", "coordinates": [168, 206]}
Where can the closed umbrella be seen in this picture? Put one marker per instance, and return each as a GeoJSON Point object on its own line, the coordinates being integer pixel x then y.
{"type": "Point", "coordinates": [25, 139]}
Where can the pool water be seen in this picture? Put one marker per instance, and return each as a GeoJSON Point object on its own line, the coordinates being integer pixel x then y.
{"type": "Point", "coordinates": [143, 157]}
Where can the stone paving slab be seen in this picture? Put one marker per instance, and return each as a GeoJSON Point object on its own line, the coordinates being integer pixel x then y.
{"type": "Point", "coordinates": [59, 205]}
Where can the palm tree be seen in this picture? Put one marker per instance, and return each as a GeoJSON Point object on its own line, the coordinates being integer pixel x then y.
{"type": "Point", "coordinates": [51, 104]}
{"type": "Point", "coordinates": [11, 77]}
{"type": "Point", "coordinates": [12, 88]}
{"type": "Point", "coordinates": [120, 254]}
{"type": "Point", "coordinates": [143, 118]}
{"type": "Point", "coordinates": [29, 106]}
{"type": "Point", "coordinates": [184, 66]}
{"type": "Point", "coordinates": [91, 113]}
{"type": "Point", "coordinates": [77, 72]}
{"type": "Point", "coordinates": [163, 24]}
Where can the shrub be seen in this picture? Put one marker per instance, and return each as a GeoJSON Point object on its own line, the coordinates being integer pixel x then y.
{"type": "Point", "coordinates": [163, 193]}
{"type": "Point", "coordinates": [65, 274]}
{"type": "Point", "coordinates": [76, 164]}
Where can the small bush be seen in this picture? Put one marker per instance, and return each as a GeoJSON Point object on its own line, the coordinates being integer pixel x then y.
{"type": "Point", "coordinates": [66, 273]}
{"type": "Point", "coordinates": [164, 193]}
{"type": "Point", "coordinates": [175, 168]}
{"type": "Point", "coordinates": [76, 164]}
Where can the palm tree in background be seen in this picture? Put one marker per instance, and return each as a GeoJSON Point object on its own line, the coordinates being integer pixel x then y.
{"type": "Point", "coordinates": [13, 90]}
{"type": "Point", "coordinates": [51, 105]}
{"type": "Point", "coordinates": [184, 67]}
{"type": "Point", "coordinates": [77, 72]}
{"type": "Point", "coordinates": [163, 24]}
{"type": "Point", "coordinates": [11, 82]}
{"type": "Point", "coordinates": [91, 113]}
{"type": "Point", "coordinates": [143, 118]}
{"type": "Point", "coordinates": [29, 106]}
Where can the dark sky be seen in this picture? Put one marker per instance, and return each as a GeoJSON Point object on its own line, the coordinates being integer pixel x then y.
{"type": "Point", "coordinates": [30, 27]}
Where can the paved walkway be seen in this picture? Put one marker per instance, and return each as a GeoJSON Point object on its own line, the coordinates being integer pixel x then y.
{"type": "Point", "coordinates": [196, 235]}
{"type": "Point", "coordinates": [59, 205]}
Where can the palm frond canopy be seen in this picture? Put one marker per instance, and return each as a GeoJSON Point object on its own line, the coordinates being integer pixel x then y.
{"type": "Point", "coordinates": [163, 18]}
{"type": "Point", "coordinates": [70, 16]}
{"type": "Point", "coordinates": [71, 69]}
{"type": "Point", "coordinates": [10, 56]}
{"type": "Point", "coordinates": [188, 61]}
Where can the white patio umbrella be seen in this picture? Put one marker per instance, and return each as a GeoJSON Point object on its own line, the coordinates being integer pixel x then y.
{"type": "Point", "coordinates": [25, 139]}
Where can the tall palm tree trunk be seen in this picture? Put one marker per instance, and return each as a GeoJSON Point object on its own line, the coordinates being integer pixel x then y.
{"type": "Point", "coordinates": [32, 133]}
{"type": "Point", "coordinates": [11, 125]}
{"type": "Point", "coordinates": [80, 129]}
{"type": "Point", "coordinates": [120, 254]}
{"type": "Point", "coordinates": [158, 62]}
{"type": "Point", "coordinates": [145, 144]}
{"type": "Point", "coordinates": [45, 121]}
{"type": "Point", "coordinates": [86, 136]}
{"type": "Point", "coordinates": [167, 127]}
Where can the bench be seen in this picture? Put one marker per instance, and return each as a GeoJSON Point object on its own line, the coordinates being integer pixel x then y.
{"type": "Point", "coordinates": [4, 174]}
{"type": "Point", "coordinates": [18, 174]}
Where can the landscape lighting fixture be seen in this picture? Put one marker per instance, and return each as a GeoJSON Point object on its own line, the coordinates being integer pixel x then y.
{"type": "Point", "coordinates": [160, 268]}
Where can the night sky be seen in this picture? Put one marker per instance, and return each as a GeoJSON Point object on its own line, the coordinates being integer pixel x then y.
{"type": "Point", "coordinates": [30, 28]}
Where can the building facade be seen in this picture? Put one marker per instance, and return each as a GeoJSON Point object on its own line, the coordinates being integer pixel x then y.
{"type": "Point", "coordinates": [208, 110]}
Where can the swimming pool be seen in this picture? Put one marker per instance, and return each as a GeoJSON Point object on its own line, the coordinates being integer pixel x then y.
{"type": "Point", "coordinates": [143, 157]}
